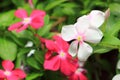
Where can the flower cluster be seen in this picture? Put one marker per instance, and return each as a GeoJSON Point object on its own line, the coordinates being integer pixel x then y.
{"type": "Point", "coordinates": [60, 55]}
{"type": "Point", "coordinates": [58, 58]}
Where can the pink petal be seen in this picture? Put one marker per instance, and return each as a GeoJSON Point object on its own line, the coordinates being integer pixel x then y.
{"type": "Point", "coordinates": [50, 45]}
{"type": "Point", "coordinates": [21, 13]}
{"type": "Point", "coordinates": [12, 77]}
{"type": "Point", "coordinates": [82, 77]}
{"type": "Point", "coordinates": [48, 54]}
{"type": "Point", "coordinates": [52, 64]}
{"type": "Point", "coordinates": [74, 77]}
{"type": "Point", "coordinates": [37, 22]}
{"type": "Point", "coordinates": [61, 43]}
{"type": "Point", "coordinates": [67, 68]}
{"type": "Point", "coordinates": [2, 74]}
{"type": "Point", "coordinates": [19, 73]}
{"type": "Point", "coordinates": [22, 28]}
{"type": "Point", "coordinates": [7, 65]}
{"type": "Point", "coordinates": [37, 13]}
{"type": "Point", "coordinates": [15, 26]}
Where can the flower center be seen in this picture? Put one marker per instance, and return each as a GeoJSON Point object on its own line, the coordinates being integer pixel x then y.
{"type": "Point", "coordinates": [79, 38]}
{"type": "Point", "coordinates": [26, 20]}
{"type": "Point", "coordinates": [62, 54]}
{"type": "Point", "coordinates": [7, 73]}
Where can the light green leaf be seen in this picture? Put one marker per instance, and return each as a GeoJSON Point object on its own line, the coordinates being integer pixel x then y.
{"type": "Point", "coordinates": [54, 4]}
{"type": "Point", "coordinates": [8, 49]}
{"type": "Point", "coordinates": [19, 2]}
{"type": "Point", "coordinates": [33, 76]}
{"type": "Point", "coordinates": [6, 18]}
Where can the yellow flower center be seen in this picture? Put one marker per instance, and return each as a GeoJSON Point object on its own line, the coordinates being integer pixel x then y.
{"type": "Point", "coordinates": [7, 73]}
{"type": "Point", "coordinates": [26, 20]}
{"type": "Point", "coordinates": [79, 38]}
{"type": "Point", "coordinates": [62, 54]}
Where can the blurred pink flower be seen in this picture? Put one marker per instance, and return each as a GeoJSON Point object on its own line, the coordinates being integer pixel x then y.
{"type": "Point", "coordinates": [57, 56]}
{"type": "Point", "coordinates": [8, 73]}
{"type": "Point", "coordinates": [36, 20]}
{"type": "Point", "coordinates": [78, 74]}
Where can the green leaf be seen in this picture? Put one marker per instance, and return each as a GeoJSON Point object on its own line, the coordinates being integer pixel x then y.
{"type": "Point", "coordinates": [115, 8]}
{"type": "Point", "coordinates": [101, 49]}
{"type": "Point", "coordinates": [8, 49]}
{"type": "Point", "coordinates": [110, 41]}
{"type": "Point", "coordinates": [33, 76]}
{"type": "Point", "coordinates": [45, 29]}
{"type": "Point", "coordinates": [19, 2]}
{"type": "Point", "coordinates": [46, 19]}
{"type": "Point", "coordinates": [39, 56]}
{"type": "Point", "coordinates": [114, 29]}
{"type": "Point", "coordinates": [6, 18]}
{"type": "Point", "coordinates": [33, 63]}
{"type": "Point", "coordinates": [54, 4]}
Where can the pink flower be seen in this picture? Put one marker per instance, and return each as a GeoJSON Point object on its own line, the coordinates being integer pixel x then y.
{"type": "Point", "coordinates": [57, 56]}
{"type": "Point", "coordinates": [8, 73]}
{"type": "Point", "coordinates": [78, 74]}
{"type": "Point", "coordinates": [36, 20]}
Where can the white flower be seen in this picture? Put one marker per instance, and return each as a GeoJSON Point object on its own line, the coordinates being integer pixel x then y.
{"type": "Point", "coordinates": [84, 30]}
{"type": "Point", "coordinates": [116, 77]}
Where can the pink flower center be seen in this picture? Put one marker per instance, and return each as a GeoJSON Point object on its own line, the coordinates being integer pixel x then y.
{"type": "Point", "coordinates": [7, 73]}
{"type": "Point", "coordinates": [26, 20]}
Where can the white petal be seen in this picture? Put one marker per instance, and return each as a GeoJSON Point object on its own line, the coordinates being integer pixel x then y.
{"type": "Point", "coordinates": [82, 24]}
{"type": "Point", "coordinates": [93, 35]}
{"type": "Point", "coordinates": [84, 51]}
{"type": "Point", "coordinates": [73, 48]}
{"type": "Point", "coordinates": [96, 18]}
{"type": "Point", "coordinates": [31, 52]}
{"type": "Point", "coordinates": [68, 32]}
{"type": "Point", "coordinates": [118, 64]}
{"type": "Point", "coordinates": [29, 44]}
{"type": "Point", "coordinates": [116, 77]}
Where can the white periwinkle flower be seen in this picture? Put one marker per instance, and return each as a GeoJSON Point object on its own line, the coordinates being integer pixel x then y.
{"type": "Point", "coordinates": [86, 29]}
{"type": "Point", "coordinates": [116, 77]}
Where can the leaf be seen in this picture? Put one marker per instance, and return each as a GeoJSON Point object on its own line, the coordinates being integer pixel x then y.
{"type": "Point", "coordinates": [8, 49]}
{"type": "Point", "coordinates": [39, 56]}
{"type": "Point", "coordinates": [33, 76]}
{"type": "Point", "coordinates": [115, 8]}
{"type": "Point", "coordinates": [101, 49]}
{"type": "Point", "coordinates": [114, 29]}
{"type": "Point", "coordinates": [6, 18]}
{"type": "Point", "coordinates": [46, 19]}
{"type": "Point", "coordinates": [45, 29]}
{"type": "Point", "coordinates": [54, 4]}
{"type": "Point", "coordinates": [33, 63]}
{"type": "Point", "coordinates": [110, 41]}
{"type": "Point", "coordinates": [19, 2]}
